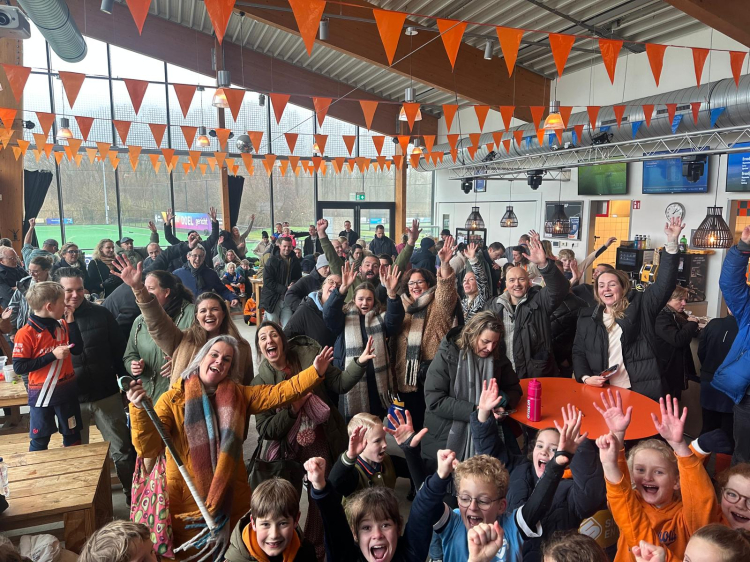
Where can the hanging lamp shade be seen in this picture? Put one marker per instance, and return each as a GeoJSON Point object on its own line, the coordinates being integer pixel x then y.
{"type": "Point", "coordinates": [475, 220]}
{"type": "Point", "coordinates": [202, 140]}
{"type": "Point", "coordinates": [559, 224]}
{"type": "Point", "coordinates": [554, 121]}
{"type": "Point", "coordinates": [713, 232]}
{"type": "Point", "coordinates": [64, 131]}
{"type": "Point", "coordinates": [509, 220]}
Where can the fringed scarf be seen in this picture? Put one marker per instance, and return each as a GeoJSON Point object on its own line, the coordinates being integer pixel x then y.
{"type": "Point", "coordinates": [414, 323]}
{"type": "Point", "coordinates": [215, 434]}
{"type": "Point", "coordinates": [356, 400]}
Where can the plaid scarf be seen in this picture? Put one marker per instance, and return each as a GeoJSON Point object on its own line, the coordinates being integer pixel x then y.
{"type": "Point", "coordinates": [356, 400]}
{"type": "Point", "coordinates": [414, 323]}
{"type": "Point", "coordinates": [215, 438]}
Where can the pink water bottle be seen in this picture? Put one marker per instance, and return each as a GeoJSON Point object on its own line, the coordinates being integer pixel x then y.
{"type": "Point", "coordinates": [534, 401]}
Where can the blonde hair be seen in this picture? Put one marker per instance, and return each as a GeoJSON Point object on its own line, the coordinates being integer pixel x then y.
{"type": "Point", "coordinates": [660, 447]}
{"type": "Point", "coordinates": [97, 253]}
{"type": "Point", "coordinates": [46, 292]}
{"type": "Point", "coordinates": [566, 254]}
{"type": "Point", "coordinates": [485, 320]}
{"type": "Point", "coordinates": [619, 308]}
{"type": "Point", "coordinates": [113, 542]}
{"type": "Point", "coordinates": [483, 468]}
{"type": "Point", "coordinates": [679, 293]}
{"type": "Point", "coordinates": [378, 502]}
{"type": "Point", "coordinates": [363, 419]}
{"type": "Point", "coordinates": [571, 546]}
{"type": "Point", "coordinates": [275, 497]}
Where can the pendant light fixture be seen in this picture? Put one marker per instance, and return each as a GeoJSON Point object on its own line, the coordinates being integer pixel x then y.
{"type": "Point", "coordinates": [488, 50]}
{"type": "Point", "coordinates": [713, 233]}
{"type": "Point", "coordinates": [411, 31]}
{"type": "Point", "coordinates": [220, 98]}
{"type": "Point", "coordinates": [475, 220]}
{"type": "Point", "coordinates": [554, 121]}
{"type": "Point", "coordinates": [409, 96]}
{"type": "Point", "coordinates": [64, 132]}
{"type": "Point", "coordinates": [509, 220]}
{"type": "Point", "coordinates": [559, 223]}
{"type": "Point", "coordinates": [202, 141]}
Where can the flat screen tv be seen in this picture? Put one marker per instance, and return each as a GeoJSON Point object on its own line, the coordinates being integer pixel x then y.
{"type": "Point", "coordinates": [666, 176]}
{"type": "Point", "coordinates": [738, 170]}
{"type": "Point", "coordinates": [603, 179]}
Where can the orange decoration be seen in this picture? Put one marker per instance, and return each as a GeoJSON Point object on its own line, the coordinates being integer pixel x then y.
{"type": "Point", "coordinates": [255, 138]}
{"type": "Point", "coordinates": [481, 111]}
{"type": "Point", "coordinates": [537, 112]}
{"type": "Point", "coordinates": [7, 116]}
{"type": "Point", "coordinates": [540, 136]}
{"type": "Point", "coordinates": [579, 133]}
{"type": "Point", "coordinates": [72, 82]}
{"type": "Point", "coordinates": [321, 141]}
{"type": "Point", "coordinates": [219, 12]}
{"type": "Point", "coordinates": [157, 130]}
{"type": "Point", "coordinates": [234, 99]}
{"type": "Point", "coordinates": [247, 159]}
{"type": "Point", "coordinates": [77, 159]}
{"type": "Point", "coordinates": [211, 160]}
{"type": "Point", "coordinates": [472, 150]}
{"type": "Point", "coordinates": [506, 112]}
{"type": "Point", "coordinates": [220, 157]}
{"type": "Point", "coordinates": [610, 49]}
{"type": "Point", "coordinates": [648, 112]}
{"type": "Point", "coordinates": [398, 161]}
{"type": "Point", "coordinates": [123, 128]}
{"type": "Point", "coordinates": [307, 13]}
{"type": "Point", "coordinates": [321, 108]}
{"type": "Point", "coordinates": [671, 111]}
{"type": "Point", "coordinates": [655, 54]}
{"type": "Point", "coordinates": [368, 110]}
{"type": "Point", "coordinates": [429, 141]}
{"type": "Point", "coordinates": [518, 135]}
{"type": "Point", "coordinates": [223, 136]}
{"type": "Point", "coordinates": [115, 162]}
{"type": "Point", "coordinates": [414, 160]}
{"type": "Point", "coordinates": [351, 162]}
{"type": "Point", "coordinates": [48, 149]}
{"type": "Point", "coordinates": [137, 90]}
{"type": "Point", "coordinates": [203, 168]}
{"type": "Point", "coordinates": [24, 145]}
{"type": "Point", "coordinates": [68, 152]}
{"type": "Point", "coordinates": [390, 25]}
{"type": "Point", "coordinates": [449, 111]}
{"type": "Point", "coordinates": [349, 141]}
{"type": "Point", "coordinates": [189, 134]}
{"type": "Point", "coordinates": [497, 138]}
{"type": "Point", "coordinates": [16, 152]}
{"type": "Point", "coordinates": [565, 111]}
{"type": "Point", "coordinates": [283, 167]}
{"type": "Point", "coordinates": [619, 112]}
{"type": "Point", "coordinates": [338, 163]}
{"type": "Point", "coordinates": [451, 32]}
{"type": "Point", "coordinates": [561, 45]}
{"type": "Point", "coordinates": [74, 144]}
{"type": "Point", "coordinates": [59, 157]}
{"type": "Point", "coordinates": [411, 109]}
{"type": "Point", "coordinates": [695, 107]}
{"type": "Point", "coordinates": [388, 165]}
{"type": "Point", "coordinates": [91, 152]}
{"type": "Point", "coordinates": [510, 41]}
{"type": "Point", "coordinates": [381, 161]}
{"type": "Point", "coordinates": [593, 111]}
{"type": "Point", "coordinates": [186, 167]}
{"type": "Point", "coordinates": [45, 121]}
{"type": "Point", "coordinates": [17, 77]}
{"type": "Point", "coordinates": [168, 154]}
{"type": "Point", "coordinates": [363, 163]}
{"type": "Point", "coordinates": [699, 60]}
{"type": "Point", "coordinates": [37, 154]}
{"type": "Point", "coordinates": [84, 124]}
{"type": "Point", "coordinates": [134, 153]}
{"type": "Point", "coordinates": [184, 93]}
{"type": "Point", "coordinates": [316, 160]}
{"type": "Point", "coordinates": [559, 135]}
{"type": "Point", "coordinates": [403, 142]}
{"type": "Point", "coordinates": [736, 59]}
{"type": "Point", "coordinates": [378, 140]}
{"type": "Point", "coordinates": [454, 155]}
{"type": "Point", "coordinates": [139, 11]}
{"type": "Point", "coordinates": [474, 138]}
{"type": "Point", "coordinates": [195, 156]}
{"type": "Point", "coordinates": [294, 161]}
{"type": "Point", "coordinates": [279, 103]}
{"type": "Point", "coordinates": [291, 140]}
{"type": "Point", "coordinates": [104, 147]}
{"type": "Point", "coordinates": [452, 141]}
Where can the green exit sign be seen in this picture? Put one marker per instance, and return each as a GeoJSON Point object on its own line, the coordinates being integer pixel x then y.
{"type": "Point", "coordinates": [360, 196]}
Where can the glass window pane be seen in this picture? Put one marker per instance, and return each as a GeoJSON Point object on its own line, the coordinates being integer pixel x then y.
{"type": "Point", "coordinates": [127, 64]}
{"type": "Point", "coordinates": [194, 192]}
{"type": "Point", "coordinates": [144, 194]}
{"type": "Point", "coordinates": [179, 75]}
{"type": "Point", "coordinates": [335, 128]}
{"type": "Point", "coordinates": [367, 147]}
{"type": "Point", "coordinates": [48, 218]}
{"type": "Point", "coordinates": [380, 186]}
{"type": "Point", "coordinates": [94, 63]}
{"type": "Point", "coordinates": [419, 198]}
{"type": "Point", "coordinates": [339, 187]}
{"type": "Point", "coordinates": [293, 199]}
{"type": "Point", "coordinates": [153, 110]}
{"type": "Point", "coordinates": [92, 101]}
{"type": "Point", "coordinates": [294, 120]}
{"type": "Point", "coordinates": [35, 49]}
{"type": "Point", "coordinates": [35, 98]}
{"type": "Point", "coordinates": [256, 199]}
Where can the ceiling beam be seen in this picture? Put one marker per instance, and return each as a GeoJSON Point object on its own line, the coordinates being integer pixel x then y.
{"type": "Point", "coordinates": [474, 79]}
{"type": "Point", "coordinates": [191, 49]}
{"type": "Point", "coordinates": [731, 17]}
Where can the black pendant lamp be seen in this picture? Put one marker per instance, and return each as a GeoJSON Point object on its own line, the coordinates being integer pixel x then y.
{"type": "Point", "coordinates": [475, 220]}
{"type": "Point", "coordinates": [509, 220]}
{"type": "Point", "coordinates": [713, 233]}
{"type": "Point", "coordinates": [559, 223]}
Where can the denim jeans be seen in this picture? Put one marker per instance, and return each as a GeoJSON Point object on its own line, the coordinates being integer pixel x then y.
{"type": "Point", "coordinates": [281, 313]}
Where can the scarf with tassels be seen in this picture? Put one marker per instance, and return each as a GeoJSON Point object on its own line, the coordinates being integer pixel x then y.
{"type": "Point", "coordinates": [356, 400]}
{"type": "Point", "coordinates": [215, 434]}
{"type": "Point", "coordinates": [414, 323]}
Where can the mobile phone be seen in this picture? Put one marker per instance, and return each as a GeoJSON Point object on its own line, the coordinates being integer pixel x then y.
{"type": "Point", "coordinates": [505, 412]}
{"type": "Point", "coordinates": [608, 372]}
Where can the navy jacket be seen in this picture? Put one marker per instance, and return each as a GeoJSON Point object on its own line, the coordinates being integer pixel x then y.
{"type": "Point", "coordinates": [211, 282]}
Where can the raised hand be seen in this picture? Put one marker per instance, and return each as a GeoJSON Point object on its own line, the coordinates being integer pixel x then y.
{"type": "Point", "coordinates": [368, 353]}
{"type": "Point", "coordinates": [673, 228]}
{"type": "Point", "coordinates": [32, 223]}
{"type": "Point", "coordinates": [152, 226]}
{"type": "Point", "coordinates": [745, 236]}
{"type": "Point", "coordinates": [447, 463]}
{"type": "Point", "coordinates": [485, 541]}
{"type": "Point", "coordinates": [610, 241]}
{"type": "Point", "coordinates": [471, 250]}
{"type": "Point", "coordinates": [617, 421]}
{"type": "Point", "coordinates": [348, 276]}
{"type": "Point", "coordinates": [413, 232]}
{"type": "Point", "coordinates": [536, 253]}
{"type": "Point", "coordinates": [136, 394]}
{"type": "Point", "coordinates": [252, 218]}
{"type": "Point", "coordinates": [316, 472]}
{"type": "Point", "coordinates": [389, 278]}
{"type": "Point", "coordinates": [323, 360]}
{"type": "Point", "coordinates": [170, 216]}
{"type": "Point", "coordinates": [672, 425]}
{"type": "Point", "coordinates": [7, 313]}
{"type": "Point", "coordinates": [446, 252]}
{"type": "Point", "coordinates": [212, 213]}
{"type": "Point", "coordinates": [570, 436]}
{"type": "Point", "coordinates": [404, 428]}
{"type": "Point", "coordinates": [647, 552]}
{"type": "Point", "coordinates": [534, 235]}
{"type": "Point", "coordinates": [357, 442]}
{"type": "Point", "coordinates": [609, 448]}
{"type": "Point", "coordinates": [131, 276]}
{"type": "Point", "coordinates": [321, 227]}
{"type": "Point", "coordinates": [489, 399]}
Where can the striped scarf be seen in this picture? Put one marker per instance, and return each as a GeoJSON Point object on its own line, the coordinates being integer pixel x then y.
{"type": "Point", "coordinates": [215, 436]}
{"type": "Point", "coordinates": [414, 323]}
{"type": "Point", "coordinates": [356, 400]}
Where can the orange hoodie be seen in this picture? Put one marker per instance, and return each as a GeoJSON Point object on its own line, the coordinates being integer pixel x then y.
{"type": "Point", "coordinates": [670, 526]}
{"type": "Point", "coordinates": [251, 542]}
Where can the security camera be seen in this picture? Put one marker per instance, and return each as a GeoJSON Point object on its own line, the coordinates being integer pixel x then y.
{"type": "Point", "coordinates": [13, 23]}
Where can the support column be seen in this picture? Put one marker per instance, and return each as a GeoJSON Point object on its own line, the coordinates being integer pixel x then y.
{"type": "Point", "coordinates": [400, 225]}
{"type": "Point", "coordinates": [225, 222]}
{"type": "Point", "coordinates": [11, 170]}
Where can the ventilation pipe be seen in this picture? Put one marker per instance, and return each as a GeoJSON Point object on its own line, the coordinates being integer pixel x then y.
{"type": "Point", "coordinates": [55, 23]}
{"type": "Point", "coordinates": [723, 93]}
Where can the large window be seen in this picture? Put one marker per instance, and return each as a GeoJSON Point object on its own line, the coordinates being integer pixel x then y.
{"type": "Point", "coordinates": [419, 203]}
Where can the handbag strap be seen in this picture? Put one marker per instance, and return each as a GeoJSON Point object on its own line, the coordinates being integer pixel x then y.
{"type": "Point", "coordinates": [283, 448]}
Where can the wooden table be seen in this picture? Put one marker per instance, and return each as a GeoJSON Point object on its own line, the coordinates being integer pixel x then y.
{"type": "Point", "coordinates": [12, 395]}
{"type": "Point", "coordinates": [257, 286]}
{"type": "Point", "coordinates": [71, 485]}
{"type": "Point", "coordinates": [557, 392]}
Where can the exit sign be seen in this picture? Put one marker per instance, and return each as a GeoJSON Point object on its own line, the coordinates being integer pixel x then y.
{"type": "Point", "coordinates": [360, 196]}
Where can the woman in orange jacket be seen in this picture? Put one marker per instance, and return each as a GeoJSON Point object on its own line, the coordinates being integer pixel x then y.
{"type": "Point", "coordinates": [206, 413]}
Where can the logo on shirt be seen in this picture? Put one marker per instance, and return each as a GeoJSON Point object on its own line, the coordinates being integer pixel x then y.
{"type": "Point", "coordinates": [18, 348]}
{"type": "Point", "coordinates": [667, 537]}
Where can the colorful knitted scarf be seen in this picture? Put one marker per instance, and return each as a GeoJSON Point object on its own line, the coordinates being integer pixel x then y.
{"type": "Point", "coordinates": [215, 434]}
{"type": "Point", "coordinates": [414, 323]}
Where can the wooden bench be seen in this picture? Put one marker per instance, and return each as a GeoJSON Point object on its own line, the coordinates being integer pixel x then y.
{"type": "Point", "coordinates": [13, 396]}
{"type": "Point", "coordinates": [70, 484]}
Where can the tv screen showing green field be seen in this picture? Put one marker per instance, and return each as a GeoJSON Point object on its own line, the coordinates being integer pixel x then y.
{"type": "Point", "coordinates": [603, 179]}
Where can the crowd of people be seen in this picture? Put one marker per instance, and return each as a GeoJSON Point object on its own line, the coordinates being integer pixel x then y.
{"type": "Point", "coordinates": [356, 342]}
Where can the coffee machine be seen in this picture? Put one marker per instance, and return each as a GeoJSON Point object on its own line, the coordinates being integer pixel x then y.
{"type": "Point", "coordinates": [632, 262]}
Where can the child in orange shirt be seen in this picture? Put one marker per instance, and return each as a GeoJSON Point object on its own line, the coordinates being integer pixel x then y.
{"type": "Point", "coordinates": [650, 508]}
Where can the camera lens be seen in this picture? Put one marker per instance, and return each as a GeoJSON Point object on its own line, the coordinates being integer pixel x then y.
{"type": "Point", "coordinates": [4, 19]}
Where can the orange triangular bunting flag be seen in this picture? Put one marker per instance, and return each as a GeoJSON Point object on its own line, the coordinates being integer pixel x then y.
{"type": "Point", "coordinates": [559, 135]}
{"type": "Point", "coordinates": [84, 124]}
{"type": "Point", "coordinates": [429, 141]}
{"type": "Point", "coordinates": [203, 168]}
{"type": "Point", "coordinates": [537, 111]}
{"type": "Point", "coordinates": [134, 154]}
{"type": "Point", "coordinates": [68, 152]}
{"type": "Point", "coordinates": [338, 163]}
{"type": "Point", "coordinates": [91, 152]}
{"type": "Point", "coordinates": [655, 54]}
{"type": "Point", "coordinates": [157, 130]}
{"type": "Point", "coordinates": [189, 134]}
{"type": "Point", "coordinates": [155, 163]}
{"type": "Point", "coordinates": [454, 155]}
{"type": "Point", "coordinates": [186, 166]}
{"type": "Point", "coordinates": [390, 25]}
{"type": "Point", "coordinates": [168, 156]}
{"type": "Point", "coordinates": [247, 159]}
{"type": "Point", "coordinates": [45, 121]}
{"type": "Point", "coordinates": [16, 152]}
{"type": "Point", "coordinates": [377, 141]}
{"type": "Point", "coordinates": [112, 154]}
{"type": "Point", "coordinates": [381, 161]}
{"type": "Point", "coordinates": [699, 60]}
{"type": "Point", "coordinates": [279, 103]}
{"type": "Point", "coordinates": [593, 111]}
{"type": "Point", "coordinates": [17, 77]}
{"type": "Point", "coordinates": [37, 154]}
{"type": "Point", "coordinates": [139, 11]}
{"type": "Point", "coordinates": [565, 111]}
{"type": "Point", "coordinates": [452, 140]}
{"type": "Point", "coordinates": [695, 107]}
{"type": "Point", "coordinates": [195, 156]}
{"type": "Point", "coordinates": [472, 150]}
{"type": "Point", "coordinates": [349, 141]}
{"type": "Point", "coordinates": [175, 159]}
{"type": "Point", "coordinates": [474, 138]}
{"type": "Point", "coordinates": [24, 145]}
{"type": "Point", "coordinates": [103, 148]}
{"type": "Point", "coordinates": [449, 111]}
{"type": "Point", "coordinates": [481, 111]}
{"type": "Point", "coordinates": [579, 133]}
{"type": "Point", "coordinates": [48, 148]}
{"type": "Point", "coordinates": [619, 112]}
{"type": "Point", "coordinates": [506, 145]}
{"type": "Point", "coordinates": [291, 141]}
{"type": "Point", "coordinates": [497, 138]}
{"type": "Point", "coordinates": [414, 159]}
{"type": "Point", "coordinates": [321, 141]}
{"type": "Point", "coordinates": [403, 142]}
{"type": "Point", "coordinates": [308, 14]}
{"type": "Point", "coordinates": [234, 99]}
{"type": "Point", "coordinates": [323, 168]}
{"type": "Point", "coordinates": [219, 12]}
{"type": "Point", "coordinates": [364, 163]}
{"type": "Point", "coordinates": [316, 160]}
{"type": "Point", "coordinates": [294, 161]}
{"type": "Point", "coordinates": [220, 157]}
{"type": "Point", "coordinates": [223, 136]}
{"type": "Point", "coordinates": [506, 112]}
{"type": "Point", "coordinates": [72, 82]}
{"type": "Point", "coordinates": [270, 160]}
{"type": "Point", "coordinates": [561, 45]}
{"type": "Point", "coordinates": [368, 110]}
{"type": "Point", "coordinates": [540, 137]}
{"type": "Point", "coordinates": [671, 111]}
{"type": "Point", "coordinates": [7, 116]}
{"type": "Point", "coordinates": [398, 161]}
{"type": "Point", "coordinates": [136, 89]}
{"type": "Point", "coordinates": [235, 169]}
{"type": "Point", "coordinates": [451, 31]}
{"type": "Point", "coordinates": [510, 40]}
{"type": "Point", "coordinates": [736, 58]}
{"type": "Point", "coordinates": [283, 167]}
{"type": "Point", "coordinates": [184, 93]}
{"type": "Point", "coordinates": [321, 108]}
{"type": "Point", "coordinates": [518, 135]}
{"type": "Point", "coordinates": [74, 144]}
{"type": "Point", "coordinates": [610, 49]}
{"type": "Point", "coordinates": [58, 157]}
{"type": "Point", "coordinates": [230, 163]}
{"type": "Point", "coordinates": [123, 128]}
{"type": "Point", "coordinates": [411, 109]}
{"type": "Point", "coordinates": [648, 112]}
{"type": "Point", "coordinates": [211, 162]}
{"type": "Point", "coordinates": [351, 163]}
{"type": "Point", "coordinates": [255, 138]}
{"type": "Point", "coordinates": [388, 164]}
{"type": "Point", "coordinates": [77, 159]}
{"type": "Point", "coordinates": [490, 146]}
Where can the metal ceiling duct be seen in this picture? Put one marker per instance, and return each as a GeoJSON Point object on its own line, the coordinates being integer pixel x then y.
{"type": "Point", "coordinates": [723, 93]}
{"type": "Point", "coordinates": [55, 23]}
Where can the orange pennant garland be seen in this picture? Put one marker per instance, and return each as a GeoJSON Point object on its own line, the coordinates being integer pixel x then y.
{"type": "Point", "coordinates": [184, 93]}
{"type": "Point", "coordinates": [349, 141]}
{"type": "Point", "coordinates": [540, 136]}
{"type": "Point", "coordinates": [619, 112]}
{"type": "Point", "coordinates": [403, 142]}
{"type": "Point", "coordinates": [123, 128]}
{"type": "Point", "coordinates": [157, 130]}
{"type": "Point", "coordinates": [378, 140]}
{"type": "Point", "coordinates": [7, 116]}
{"type": "Point", "coordinates": [234, 99]}
{"type": "Point", "coordinates": [497, 138]}
{"type": "Point", "coordinates": [219, 12]}
{"type": "Point", "coordinates": [168, 154]}
{"type": "Point", "coordinates": [189, 134]}
{"type": "Point", "coordinates": [270, 160]}
{"type": "Point", "coordinates": [699, 60]}
{"type": "Point", "coordinates": [321, 108]}
{"type": "Point", "coordinates": [45, 121]}
{"type": "Point", "coordinates": [451, 32]}
{"type": "Point", "coordinates": [472, 150]}
{"type": "Point", "coordinates": [74, 144]}
{"type": "Point", "coordinates": [256, 137]}
{"type": "Point", "coordinates": [506, 112]}
{"type": "Point", "coordinates": [72, 82]}
{"type": "Point", "coordinates": [559, 135]}
{"type": "Point", "coordinates": [195, 156]}
{"type": "Point", "coordinates": [481, 111]}
{"type": "Point", "coordinates": [648, 112]}
{"type": "Point", "coordinates": [655, 54]}
{"type": "Point", "coordinates": [84, 124]}
{"type": "Point", "coordinates": [139, 11]}
{"type": "Point", "coordinates": [203, 168]}
{"type": "Point", "coordinates": [565, 111]}
{"type": "Point", "coordinates": [671, 111]}
{"type": "Point", "coordinates": [223, 136]}
{"type": "Point", "coordinates": [279, 103]}
{"type": "Point", "coordinates": [474, 138]}
{"type": "Point", "coordinates": [77, 159]}
{"type": "Point", "coordinates": [695, 107]}
{"type": "Point", "coordinates": [510, 41]}
{"type": "Point", "coordinates": [17, 77]}
{"type": "Point", "coordinates": [518, 136]}
{"type": "Point", "coordinates": [561, 45]}
{"type": "Point", "coordinates": [593, 111]}
{"type": "Point", "coordinates": [321, 140]}
{"type": "Point", "coordinates": [220, 157]}
{"type": "Point", "coordinates": [449, 111]}
{"type": "Point", "coordinates": [537, 111]}
{"type": "Point", "coordinates": [414, 160]}
{"type": "Point", "coordinates": [247, 159]}
{"type": "Point", "coordinates": [308, 14]}
{"type": "Point", "coordinates": [283, 167]}
{"type": "Point", "coordinates": [736, 59]}
{"type": "Point", "coordinates": [579, 133]}
{"type": "Point", "coordinates": [24, 145]}
{"type": "Point", "coordinates": [291, 141]}
{"type": "Point", "coordinates": [16, 152]}
{"type": "Point", "coordinates": [134, 153]}
{"type": "Point", "coordinates": [368, 110]}
{"type": "Point", "coordinates": [211, 160]}
{"type": "Point", "coordinates": [104, 147]}
{"type": "Point", "coordinates": [610, 49]}
{"type": "Point", "coordinates": [411, 109]}
{"type": "Point", "coordinates": [398, 161]}
{"type": "Point", "coordinates": [390, 26]}
{"type": "Point", "coordinates": [59, 157]}
{"type": "Point", "coordinates": [91, 152]}
{"type": "Point", "coordinates": [429, 141]}
{"type": "Point", "coordinates": [137, 90]}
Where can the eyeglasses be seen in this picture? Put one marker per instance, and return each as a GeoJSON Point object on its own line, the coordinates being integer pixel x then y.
{"type": "Point", "coordinates": [483, 503]}
{"type": "Point", "coordinates": [72, 251]}
{"type": "Point", "coordinates": [9, 257]}
{"type": "Point", "coordinates": [415, 283]}
{"type": "Point", "coordinates": [734, 497]}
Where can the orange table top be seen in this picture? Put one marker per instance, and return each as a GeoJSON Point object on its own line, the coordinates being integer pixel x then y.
{"type": "Point", "coordinates": [557, 392]}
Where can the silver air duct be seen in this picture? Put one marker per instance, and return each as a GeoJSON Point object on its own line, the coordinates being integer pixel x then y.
{"type": "Point", "coordinates": [723, 93]}
{"type": "Point", "coordinates": [55, 23]}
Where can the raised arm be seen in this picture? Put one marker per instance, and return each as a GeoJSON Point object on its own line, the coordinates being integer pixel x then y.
{"type": "Point", "coordinates": [30, 233]}
{"type": "Point", "coordinates": [657, 294]}
{"type": "Point", "coordinates": [334, 260]}
{"type": "Point", "coordinates": [168, 228]}
{"type": "Point", "coordinates": [403, 259]}
{"type": "Point", "coordinates": [732, 280]}
{"type": "Point", "coordinates": [249, 228]}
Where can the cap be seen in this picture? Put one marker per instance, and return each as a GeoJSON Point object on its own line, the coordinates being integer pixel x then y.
{"type": "Point", "coordinates": [427, 243]}
{"type": "Point", "coordinates": [50, 242]}
{"type": "Point", "coordinates": [264, 234]}
{"type": "Point", "coordinates": [322, 262]}
{"type": "Point", "coordinates": [125, 239]}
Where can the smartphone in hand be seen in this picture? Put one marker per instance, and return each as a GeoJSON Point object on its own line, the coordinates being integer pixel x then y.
{"type": "Point", "coordinates": [608, 372]}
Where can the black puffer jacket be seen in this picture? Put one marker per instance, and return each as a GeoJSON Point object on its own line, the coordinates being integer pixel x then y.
{"type": "Point", "coordinates": [121, 304]}
{"type": "Point", "coordinates": [299, 291]}
{"type": "Point", "coordinates": [276, 281]}
{"type": "Point", "coordinates": [563, 322]}
{"type": "Point", "coordinates": [673, 336]}
{"type": "Point", "coordinates": [308, 321]}
{"type": "Point", "coordinates": [98, 367]}
{"type": "Point", "coordinates": [9, 277]}
{"type": "Point", "coordinates": [591, 346]}
{"type": "Point", "coordinates": [101, 280]}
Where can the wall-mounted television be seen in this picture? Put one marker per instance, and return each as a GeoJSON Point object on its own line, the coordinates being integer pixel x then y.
{"type": "Point", "coordinates": [738, 170]}
{"type": "Point", "coordinates": [603, 179]}
{"type": "Point", "coordinates": [667, 176]}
